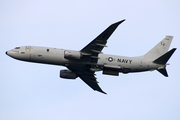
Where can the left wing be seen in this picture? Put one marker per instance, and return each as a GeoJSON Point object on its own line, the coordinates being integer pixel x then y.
{"type": "Point", "coordinates": [90, 79]}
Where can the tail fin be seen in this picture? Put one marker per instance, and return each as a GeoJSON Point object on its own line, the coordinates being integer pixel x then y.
{"type": "Point", "coordinates": [160, 49]}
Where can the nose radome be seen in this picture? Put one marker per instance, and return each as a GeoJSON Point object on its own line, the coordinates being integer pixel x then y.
{"type": "Point", "coordinates": [6, 52]}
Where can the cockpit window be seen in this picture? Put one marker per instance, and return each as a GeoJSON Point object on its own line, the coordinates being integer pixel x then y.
{"type": "Point", "coordinates": [17, 47]}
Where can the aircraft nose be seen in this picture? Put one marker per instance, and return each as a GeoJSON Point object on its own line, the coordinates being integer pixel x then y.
{"type": "Point", "coordinates": [6, 52]}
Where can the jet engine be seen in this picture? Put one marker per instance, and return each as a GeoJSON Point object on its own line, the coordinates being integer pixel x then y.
{"type": "Point", "coordinates": [70, 54]}
{"type": "Point", "coordinates": [67, 74]}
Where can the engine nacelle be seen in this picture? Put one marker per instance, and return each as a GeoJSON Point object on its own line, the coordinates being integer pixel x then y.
{"type": "Point", "coordinates": [70, 54]}
{"type": "Point", "coordinates": [68, 74]}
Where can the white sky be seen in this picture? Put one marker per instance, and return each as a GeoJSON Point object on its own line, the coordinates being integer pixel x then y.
{"type": "Point", "coordinates": [30, 91]}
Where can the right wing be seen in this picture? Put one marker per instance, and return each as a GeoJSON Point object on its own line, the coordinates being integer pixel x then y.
{"type": "Point", "coordinates": [95, 47]}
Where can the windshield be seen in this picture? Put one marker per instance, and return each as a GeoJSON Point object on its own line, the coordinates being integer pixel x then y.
{"type": "Point", "coordinates": [17, 47]}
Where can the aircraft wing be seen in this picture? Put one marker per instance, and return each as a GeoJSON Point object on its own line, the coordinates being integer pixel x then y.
{"type": "Point", "coordinates": [90, 80]}
{"type": "Point", "coordinates": [90, 56]}
{"type": "Point", "coordinates": [95, 47]}
{"type": "Point", "coordinates": [88, 77]}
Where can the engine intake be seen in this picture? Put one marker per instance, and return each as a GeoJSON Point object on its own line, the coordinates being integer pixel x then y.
{"type": "Point", "coordinates": [67, 74]}
{"type": "Point", "coordinates": [70, 54]}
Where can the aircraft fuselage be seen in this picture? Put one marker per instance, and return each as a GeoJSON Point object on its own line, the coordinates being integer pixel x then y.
{"type": "Point", "coordinates": [55, 56]}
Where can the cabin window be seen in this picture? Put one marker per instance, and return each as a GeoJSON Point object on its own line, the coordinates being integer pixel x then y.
{"type": "Point", "coordinates": [47, 50]}
{"type": "Point", "coordinates": [22, 52]}
{"type": "Point", "coordinates": [39, 55]}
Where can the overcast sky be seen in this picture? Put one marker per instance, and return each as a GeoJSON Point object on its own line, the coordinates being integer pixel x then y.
{"type": "Point", "coordinates": [31, 91]}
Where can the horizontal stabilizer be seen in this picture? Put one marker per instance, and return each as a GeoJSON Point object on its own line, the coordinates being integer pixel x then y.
{"type": "Point", "coordinates": [163, 71]}
{"type": "Point", "coordinates": [164, 58]}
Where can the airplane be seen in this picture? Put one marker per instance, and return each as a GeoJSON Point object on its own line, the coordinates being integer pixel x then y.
{"type": "Point", "coordinates": [90, 59]}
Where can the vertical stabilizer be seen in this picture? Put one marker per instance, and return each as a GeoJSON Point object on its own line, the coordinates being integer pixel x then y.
{"type": "Point", "coordinates": [160, 49]}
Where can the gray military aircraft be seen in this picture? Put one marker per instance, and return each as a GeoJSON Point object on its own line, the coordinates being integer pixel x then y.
{"type": "Point", "coordinates": [87, 61]}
